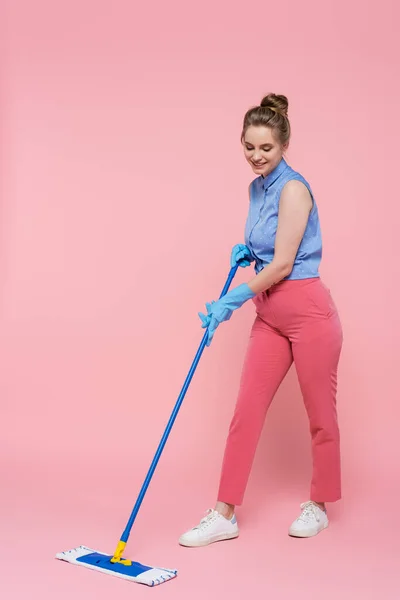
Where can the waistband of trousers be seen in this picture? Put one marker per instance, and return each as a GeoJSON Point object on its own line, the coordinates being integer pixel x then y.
{"type": "Point", "coordinates": [291, 284]}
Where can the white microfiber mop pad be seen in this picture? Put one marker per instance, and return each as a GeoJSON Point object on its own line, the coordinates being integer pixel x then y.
{"type": "Point", "coordinates": [91, 559]}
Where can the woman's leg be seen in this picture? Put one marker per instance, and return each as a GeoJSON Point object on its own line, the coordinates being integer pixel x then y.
{"type": "Point", "coordinates": [316, 352]}
{"type": "Point", "coordinates": [267, 361]}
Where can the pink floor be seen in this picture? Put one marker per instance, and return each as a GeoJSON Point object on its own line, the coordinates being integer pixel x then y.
{"type": "Point", "coordinates": [357, 557]}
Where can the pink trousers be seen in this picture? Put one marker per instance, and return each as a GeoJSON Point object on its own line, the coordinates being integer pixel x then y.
{"type": "Point", "coordinates": [296, 321]}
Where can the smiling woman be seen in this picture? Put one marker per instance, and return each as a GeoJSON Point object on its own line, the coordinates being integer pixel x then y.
{"type": "Point", "coordinates": [261, 149]}
{"type": "Point", "coordinates": [266, 133]}
{"type": "Point", "coordinates": [296, 320]}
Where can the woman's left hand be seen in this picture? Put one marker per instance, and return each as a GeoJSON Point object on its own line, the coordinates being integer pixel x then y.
{"type": "Point", "coordinates": [222, 309]}
{"type": "Point", "coordinates": [216, 314]}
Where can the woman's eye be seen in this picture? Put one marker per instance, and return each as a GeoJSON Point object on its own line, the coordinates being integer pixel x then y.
{"type": "Point", "coordinates": [250, 148]}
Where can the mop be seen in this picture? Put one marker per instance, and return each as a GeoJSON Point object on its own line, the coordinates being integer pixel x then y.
{"type": "Point", "coordinates": [115, 564]}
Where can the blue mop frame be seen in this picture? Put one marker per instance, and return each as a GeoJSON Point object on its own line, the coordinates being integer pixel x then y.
{"type": "Point", "coordinates": [132, 518]}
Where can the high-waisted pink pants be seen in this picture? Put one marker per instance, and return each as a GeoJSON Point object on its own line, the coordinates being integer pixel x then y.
{"type": "Point", "coordinates": [296, 321]}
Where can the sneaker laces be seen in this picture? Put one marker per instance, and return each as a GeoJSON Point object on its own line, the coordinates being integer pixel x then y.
{"type": "Point", "coordinates": [209, 518]}
{"type": "Point", "coordinates": [310, 511]}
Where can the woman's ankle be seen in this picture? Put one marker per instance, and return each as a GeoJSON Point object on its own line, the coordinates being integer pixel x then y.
{"type": "Point", "coordinates": [224, 509]}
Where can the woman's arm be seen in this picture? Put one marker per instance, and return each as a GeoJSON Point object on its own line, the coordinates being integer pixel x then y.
{"type": "Point", "coordinates": [295, 205]}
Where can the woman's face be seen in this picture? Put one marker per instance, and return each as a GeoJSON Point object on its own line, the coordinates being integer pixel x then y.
{"type": "Point", "coordinates": [262, 151]}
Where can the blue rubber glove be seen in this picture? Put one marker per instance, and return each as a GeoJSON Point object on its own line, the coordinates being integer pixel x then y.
{"type": "Point", "coordinates": [241, 255]}
{"type": "Point", "coordinates": [222, 309]}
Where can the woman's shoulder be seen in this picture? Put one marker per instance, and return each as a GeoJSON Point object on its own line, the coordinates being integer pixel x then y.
{"type": "Point", "coordinates": [296, 175]}
{"type": "Point", "coordinates": [255, 185]}
{"type": "Point", "coordinates": [256, 181]}
{"type": "Point", "coordinates": [297, 186]}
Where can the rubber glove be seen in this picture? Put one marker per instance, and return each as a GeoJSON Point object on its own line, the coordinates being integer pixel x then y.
{"type": "Point", "coordinates": [222, 309]}
{"type": "Point", "coordinates": [241, 255]}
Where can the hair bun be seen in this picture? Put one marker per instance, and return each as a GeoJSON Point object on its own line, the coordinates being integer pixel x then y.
{"type": "Point", "coordinates": [277, 103]}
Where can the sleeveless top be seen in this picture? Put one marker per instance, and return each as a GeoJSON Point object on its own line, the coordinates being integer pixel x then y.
{"type": "Point", "coordinates": [262, 222]}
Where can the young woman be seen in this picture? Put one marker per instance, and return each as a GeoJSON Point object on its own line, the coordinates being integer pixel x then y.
{"type": "Point", "coordinates": [296, 320]}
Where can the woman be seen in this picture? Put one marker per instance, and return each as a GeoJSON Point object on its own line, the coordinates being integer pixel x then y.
{"type": "Point", "coordinates": [296, 320]}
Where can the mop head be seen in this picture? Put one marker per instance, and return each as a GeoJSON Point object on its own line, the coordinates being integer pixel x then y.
{"type": "Point", "coordinates": [85, 557]}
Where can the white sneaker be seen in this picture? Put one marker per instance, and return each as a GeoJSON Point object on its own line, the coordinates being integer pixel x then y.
{"type": "Point", "coordinates": [311, 521]}
{"type": "Point", "coordinates": [212, 528]}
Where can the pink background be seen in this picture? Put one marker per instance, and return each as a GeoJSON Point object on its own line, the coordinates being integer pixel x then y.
{"type": "Point", "coordinates": [123, 190]}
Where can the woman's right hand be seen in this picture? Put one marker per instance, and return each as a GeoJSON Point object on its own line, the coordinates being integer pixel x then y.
{"type": "Point", "coordinates": [241, 256]}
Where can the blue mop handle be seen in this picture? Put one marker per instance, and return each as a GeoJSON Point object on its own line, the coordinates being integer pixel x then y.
{"type": "Point", "coordinates": [127, 531]}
